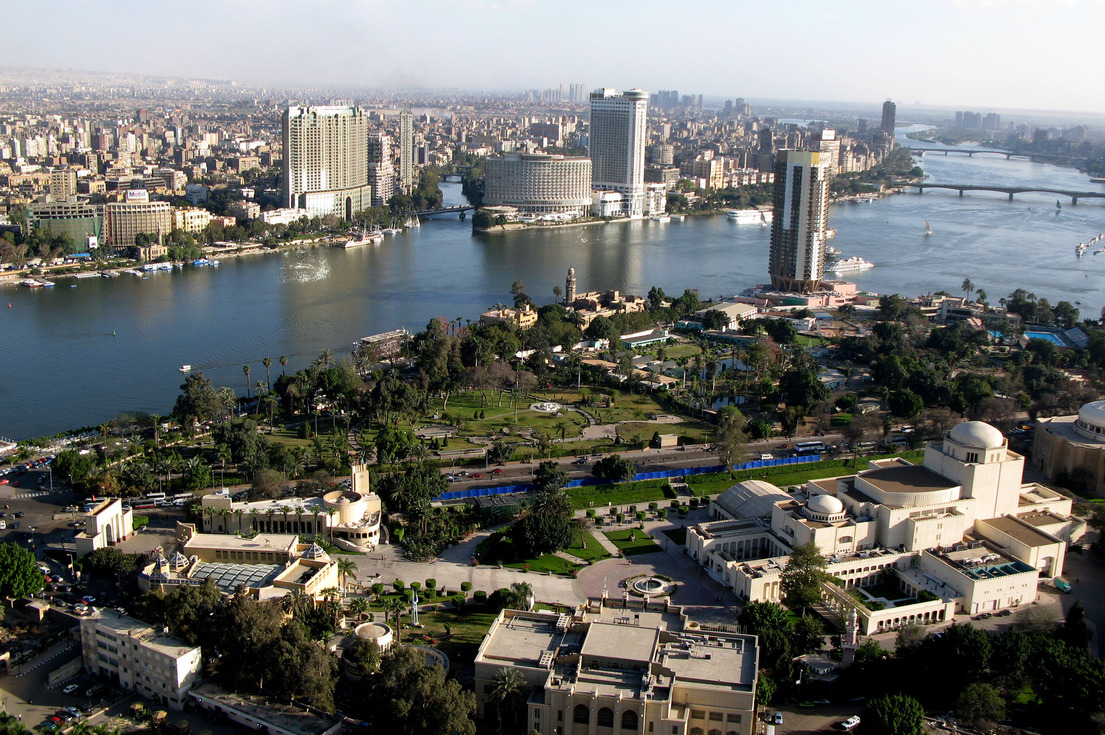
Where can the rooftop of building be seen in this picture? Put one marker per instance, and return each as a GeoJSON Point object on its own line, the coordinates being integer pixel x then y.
{"type": "Point", "coordinates": [710, 660]}
{"type": "Point", "coordinates": [124, 625]}
{"type": "Point", "coordinates": [284, 717]}
{"type": "Point", "coordinates": [981, 562]}
{"type": "Point", "coordinates": [611, 642]}
{"type": "Point", "coordinates": [1020, 530]}
{"type": "Point", "coordinates": [228, 577]}
{"type": "Point", "coordinates": [225, 541]}
{"type": "Point", "coordinates": [907, 479]}
{"type": "Point", "coordinates": [524, 638]}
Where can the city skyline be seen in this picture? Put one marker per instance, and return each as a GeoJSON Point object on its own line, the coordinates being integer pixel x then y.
{"type": "Point", "coordinates": [932, 52]}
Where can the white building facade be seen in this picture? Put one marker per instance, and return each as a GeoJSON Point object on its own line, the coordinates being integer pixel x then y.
{"type": "Point", "coordinates": [326, 160]}
{"type": "Point", "coordinates": [539, 183]}
{"type": "Point", "coordinates": [797, 256]}
{"type": "Point", "coordinates": [617, 137]}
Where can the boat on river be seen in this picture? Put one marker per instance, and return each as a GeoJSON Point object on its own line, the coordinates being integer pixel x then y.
{"type": "Point", "coordinates": [851, 265]}
{"type": "Point", "coordinates": [365, 238]}
{"type": "Point", "coordinates": [185, 368]}
{"type": "Point", "coordinates": [760, 217]}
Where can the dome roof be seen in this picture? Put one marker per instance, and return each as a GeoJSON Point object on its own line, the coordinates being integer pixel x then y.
{"type": "Point", "coordinates": [1093, 413]}
{"type": "Point", "coordinates": [977, 435]}
{"type": "Point", "coordinates": [825, 505]}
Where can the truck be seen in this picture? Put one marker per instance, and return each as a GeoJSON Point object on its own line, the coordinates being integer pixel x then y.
{"type": "Point", "coordinates": [1062, 585]}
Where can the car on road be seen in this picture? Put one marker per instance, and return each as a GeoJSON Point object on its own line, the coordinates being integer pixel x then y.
{"type": "Point", "coordinates": [64, 715]}
{"type": "Point", "coordinates": [497, 471]}
{"type": "Point", "coordinates": [477, 476]}
{"type": "Point", "coordinates": [778, 717]}
{"type": "Point", "coordinates": [581, 460]}
{"type": "Point", "coordinates": [821, 702]}
{"type": "Point", "coordinates": [70, 689]}
{"type": "Point", "coordinates": [766, 456]}
{"type": "Point", "coordinates": [1005, 613]}
{"type": "Point", "coordinates": [851, 723]}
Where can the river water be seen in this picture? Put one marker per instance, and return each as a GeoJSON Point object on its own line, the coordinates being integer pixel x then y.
{"type": "Point", "coordinates": [61, 367]}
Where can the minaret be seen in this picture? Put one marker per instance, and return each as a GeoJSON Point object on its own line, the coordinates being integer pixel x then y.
{"type": "Point", "coordinates": [570, 287]}
{"type": "Point", "coordinates": [850, 642]}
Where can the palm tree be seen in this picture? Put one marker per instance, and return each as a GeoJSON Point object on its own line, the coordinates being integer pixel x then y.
{"type": "Point", "coordinates": [283, 364]}
{"type": "Point", "coordinates": [267, 362]}
{"type": "Point", "coordinates": [324, 360]}
{"type": "Point", "coordinates": [346, 570]}
{"type": "Point", "coordinates": [393, 606]}
{"type": "Point", "coordinates": [507, 687]}
{"type": "Point", "coordinates": [254, 514]}
{"type": "Point", "coordinates": [245, 369]}
{"type": "Point", "coordinates": [359, 606]}
{"type": "Point", "coordinates": [968, 286]}
{"type": "Point", "coordinates": [269, 513]}
{"type": "Point", "coordinates": [238, 513]}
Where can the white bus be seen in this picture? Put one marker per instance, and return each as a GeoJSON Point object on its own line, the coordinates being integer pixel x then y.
{"type": "Point", "coordinates": [802, 448]}
{"type": "Point", "coordinates": [155, 496]}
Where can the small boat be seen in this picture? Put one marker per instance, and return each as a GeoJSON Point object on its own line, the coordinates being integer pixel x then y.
{"type": "Point", "coordinates": [678, 217]}
{"type": "Point", "coordinates": [185, 368]}
{"type": "Point", "coordinates": [928, 228]}
{"type": "Point", "coordinates": [391, 230]}
{"type": "Point", "coordinates": [365, 238]}
{"type": "Point", "coordinates": [1058, 204]}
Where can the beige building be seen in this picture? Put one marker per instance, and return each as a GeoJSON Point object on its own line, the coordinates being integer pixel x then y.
{"type": "Point", "coordinates": [136, 657]}
{"type": "Point", "coordinates": [626, 668]}
{"type": "Point", "coordinates": [1073, 445]}
{"type": "Point", "coordinates": [108, 523]}
{"type": "Point", "coordinates": [962, 529]}
{"type": "Point", "coordinates": [265, 565]}
{"type": "Point", "coordinates": [137, 215]}
{"type": "Point", "coordinates": [350, 517]}
{"type": "Point", "coordinates": [326, 160]}
{"type": "Point", "coordinates": [191, 219]}
{"type": "Point", "coordinates": [63, 183]}
{"type": "Point", "coordinates": [523, 318]}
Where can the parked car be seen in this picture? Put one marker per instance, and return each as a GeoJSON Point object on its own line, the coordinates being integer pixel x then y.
{"type": "Point", "coordinates": [70, 689]}
{"type": "Point", "coordinates": [851, 723]}
{"type": "Point", "coordinates": [497, 471]}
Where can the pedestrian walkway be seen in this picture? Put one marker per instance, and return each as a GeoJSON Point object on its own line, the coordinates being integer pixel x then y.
{"type": "Point", "coordinates": [606, 543]}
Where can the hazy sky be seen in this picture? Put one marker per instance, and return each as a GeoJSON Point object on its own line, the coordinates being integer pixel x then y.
{"type": "Point", "coordinates": [978, 54]}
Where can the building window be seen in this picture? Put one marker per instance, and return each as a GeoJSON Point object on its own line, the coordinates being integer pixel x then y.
{"type": "Point", "coordinates": [731, 717]}
{"type": "Point", "coordinates": [581, 715]}
{"type": "Point", "coordinates": [972, 457]}
{"type": "Point", "coordinates": [606, 717]}
{"type": "Point", "coordinates": [629, 720]}
{"type": "Point", "coordinates": [715, 717]}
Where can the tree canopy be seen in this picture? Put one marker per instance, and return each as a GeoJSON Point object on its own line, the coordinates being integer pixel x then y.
{"type": "Point", "coordinates": [19, 572]}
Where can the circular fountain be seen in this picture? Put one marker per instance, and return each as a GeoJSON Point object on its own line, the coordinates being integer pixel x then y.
{"type": "Point", "coordinates": [651, 586]}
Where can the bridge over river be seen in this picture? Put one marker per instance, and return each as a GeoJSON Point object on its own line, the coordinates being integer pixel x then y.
{"type": "Point", "coordinates": [1010, 190]}
{"type": "Point", "coordinates": [460, 209]}
{"type": "Point", "coordinates": [969, 151]}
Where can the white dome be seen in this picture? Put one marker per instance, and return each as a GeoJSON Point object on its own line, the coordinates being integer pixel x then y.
{"type": "Point", "coordinates": [1093, 414]}
{"type": "Point", "coordinates": [977, 435]}
{"type": "Point", "coordinates": [825, 505]}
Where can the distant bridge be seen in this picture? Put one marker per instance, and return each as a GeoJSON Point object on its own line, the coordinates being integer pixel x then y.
{"type": "Point", "coordinates": [1011, 190]}
{"type": "Point", "coordinates": [969, 151]}
{"type": "Point", "coordinates": [460, 209]}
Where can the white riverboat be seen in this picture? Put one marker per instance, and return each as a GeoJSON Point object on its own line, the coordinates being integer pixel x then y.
{"type": "Point", "coordinates": [851, 265]}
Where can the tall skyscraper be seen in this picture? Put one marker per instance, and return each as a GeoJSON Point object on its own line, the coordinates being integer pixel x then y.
{"type": "Point", "coordinates": [381, 173]}
{"type": "Point", "coordinates": [889, 111]}
{"type": "Point", "coordinates": [617, 145]}
{"type": "Point", "coordinates": [326, 160]}
{"type": "Point", "coordinates": [830, 152]}
{"type": "Point", "coordinates": [406, 151]}
{"type": "Point", "coordinates": [797, 258]}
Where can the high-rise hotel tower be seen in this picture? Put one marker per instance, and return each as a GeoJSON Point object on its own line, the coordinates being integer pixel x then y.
{"type": "Point", "coordinates": [617, 145]}
{"type": "Point", "coordinates": [797, 258]}
{"type": "Point", "coordinates": [326, 160]}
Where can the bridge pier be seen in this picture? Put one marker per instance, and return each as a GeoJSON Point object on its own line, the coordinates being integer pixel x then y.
{"type": "Point", "coordinates": [1010, 196]}
{"type": "Point", "coordinates": [1074, 200]}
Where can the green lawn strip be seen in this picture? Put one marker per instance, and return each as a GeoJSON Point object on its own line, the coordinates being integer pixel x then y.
{"type": "Point", "coordinates": [678, 535]}
{"type": "Point", "coordinates": [499, 549]}
{"type": "Point", "coordinates": [545, 563]}
{"type": "Point", "coordinates": [591, 550]}
{"type": "Point", "coordinates": [632, 541]}
{"type": "Point", "coordinates": [596, 496]}
{"type": "Point", "coordinates": [641, 432]}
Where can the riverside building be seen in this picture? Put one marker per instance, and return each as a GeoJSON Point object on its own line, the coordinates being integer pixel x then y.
{"type": "Point", "coordinates": [326, 160]}
{"type": "Point", "coordinates": [538, 183]}
{"type": "Point", "coordinates": [797, 257]}
{"type": "Point", "coordinates": [617, 147]}
{"type": "Point", "coordinates": [136, 215]}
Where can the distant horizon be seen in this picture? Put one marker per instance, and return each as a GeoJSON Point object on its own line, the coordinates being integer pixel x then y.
{"type": "Point", "coordinates": [820, 106]}
{"type": "Point", "coordinates": [969, 54]}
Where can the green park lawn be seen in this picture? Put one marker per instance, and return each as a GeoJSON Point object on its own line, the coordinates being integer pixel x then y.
{"type": "Point", "coordinates": [590, 550]}
{"type": "Point", "coordinates": [498, 549]}
{"type": "Point", "coordinates": [596, 496]}
{"type": "Point", "coordinates": [632, 541]}
{"type": "Point", "coordinates": [628, 407]}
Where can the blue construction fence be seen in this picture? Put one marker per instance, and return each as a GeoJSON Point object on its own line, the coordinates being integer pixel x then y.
{"type": "Point", "coordinates": [479, 492]}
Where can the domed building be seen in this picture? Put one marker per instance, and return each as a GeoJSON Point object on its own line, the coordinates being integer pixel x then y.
{"type": "Point", "coordinates": [1073, 447]}
{"type": "Point", "coordinates": [961, 530]}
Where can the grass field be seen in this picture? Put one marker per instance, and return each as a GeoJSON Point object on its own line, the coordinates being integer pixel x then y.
{"type": "Point", "coordinates": [591, 550]}
{"type": "Point", "coordinates": [631, 541]}
{"type": "Point", "coordinates": [596, 496]}
{"type": "Point", "coordinates": [498, 549]}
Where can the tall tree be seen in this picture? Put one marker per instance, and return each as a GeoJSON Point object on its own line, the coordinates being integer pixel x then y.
{"type": "Point", "coordinates": [803, 576]}
{"type": "Point", "coordinates": [893, 714]}
{"type": "Point", "coordinates": [19, 572]}
{"type": "Point", "coordinates": [730, 437]}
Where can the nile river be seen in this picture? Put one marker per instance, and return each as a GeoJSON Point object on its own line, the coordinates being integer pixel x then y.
{"type": "Point", "coordinates": [61, 367]}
